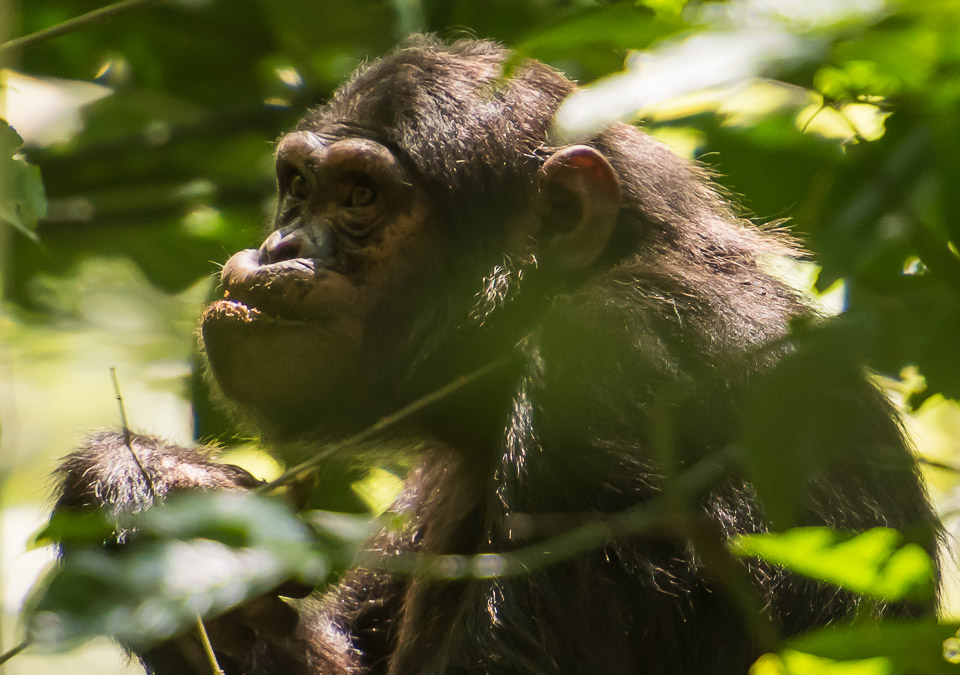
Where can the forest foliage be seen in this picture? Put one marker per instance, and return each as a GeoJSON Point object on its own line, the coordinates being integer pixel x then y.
{"type": "Point", "coordinates": [839, 117]}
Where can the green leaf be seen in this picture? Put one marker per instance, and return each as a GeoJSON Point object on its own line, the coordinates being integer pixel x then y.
{"type": "Point", "coordinates": [790, 662]}
{"type": "Point", "coordinates": [345, 527]}
{"type": "Point", "coordinates": [669, 8]}
{"type": "Point", "coordinates": [75, 527]}
{"type": "Point", "coordinates": [199, 553]}
{"type": "Point", "coordinates": [798, 420]}
{"type": "Point", "coordinates": [911, 647]}
{"type": "Point", "coordinates": [674, 70]}
{"type": "Point", "coordinates": [913, 320]}
{"type": "Point", "coordinates": [875, 563]}
{"type": "Point", "coordinates": [856, 78]}
{"type": "Point", "coordinates": [22, 198]}
{"type": "Point", "coordinates": [623, 25]}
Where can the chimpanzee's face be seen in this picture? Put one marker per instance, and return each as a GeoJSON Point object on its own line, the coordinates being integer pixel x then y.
{"type": "Point", "coordinates": [288, 337]}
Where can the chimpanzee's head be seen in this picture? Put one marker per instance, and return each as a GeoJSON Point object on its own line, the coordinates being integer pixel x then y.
{"type": "Point", "coordinates": [410, 207]}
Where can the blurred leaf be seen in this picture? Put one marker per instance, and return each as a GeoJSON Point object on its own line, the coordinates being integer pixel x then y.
{"type": "Point", "coordinates": [910, 647]}
{"type": "Point", "coordinates": [181, 48]}
{"type": "Point", "coordinates": [946, 131]}
{"type": "Point", "coordinates": [677, 68]}
{"type": "Point", "coordinates": [875, 563]}
{"type": "Point", "coordinates": [341, 535]}
{"type": "Point", "coordinates": [894, 53]}
{"type": "Point", "coordinates": [140, 116]}
{"type": "Point", "coordinates": [743, 40]}
{"type": "Point", "coordinates": [327, 40]}
{"type": "Point", "coordinates": [863, 231]}
{"type": "Point", "coordinates": [914, 320]}
{"type": "Point", "coordinates": [73, 527]}
{"type": "Point", "coordinates": [799, 417]}
{"type": "Point", "coordinates": [236, 518]}
{"type": "Point", "coordinates": [348, 528]}
{"type": "Point", "coordinates": [22, 199]}
{"type": "Point", "coordinates": [592, 42]}
{"type": "Point", "coordinates": [790, 662]}
{"type": "Point", "coordinates": [621, 26]}
{"type": "Point", "coordinates": [171, 253]}
{"type": "Point", "coordinates": [198, 553]}
{"type": "Point", "coordinates": [855, 78]}
{"type": "Point", "coordinates": [665, 7]}
{"type": "Point", "coordinates": [746, 158]}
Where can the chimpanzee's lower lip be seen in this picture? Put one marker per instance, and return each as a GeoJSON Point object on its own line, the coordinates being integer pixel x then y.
{"type": "Point", "coordinates": [231, 310]}
{"type": "Point", "coordinates": [295, 267]}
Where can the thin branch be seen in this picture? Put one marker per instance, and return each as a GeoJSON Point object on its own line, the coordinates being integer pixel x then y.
{"type": "Point", "coordinates": [706, 535]}
{"type": "Point", "coordinates": [127, 436]}
{"type": "Point", "coordinates": [938, 464]}
{"type": "Point", "coordinates": [385, 423]}
{"type": "Point", "coordinates": [667, 513]}
{"type": "Point", "coordinates": [823, 106]}
{"type": "Point", "coordinates": [647, 516]}
{"type": "Point", "coordinates": [208, 648]}
{"type": "Point", "coordinates": [71, 25]}
{"type": "Point", "coordinates": [6, 656]}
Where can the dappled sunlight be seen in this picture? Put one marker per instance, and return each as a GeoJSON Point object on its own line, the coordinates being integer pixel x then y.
{"type": "Point", "coordinates": [141, 152]}
{"type": "Point", "coordinates": [751, 38]}
{"type": "Point", "coordinates": [55, 384]}
{"type": "Point", "coordinates": [701, 62]}
{"type": "Point", "coordinates": [846, 122]}
{"type": "Point", "coordinates": [44, 110]}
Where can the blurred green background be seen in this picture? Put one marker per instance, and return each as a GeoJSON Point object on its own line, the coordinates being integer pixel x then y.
{"type": "Point", "coordinates": [152, 132]}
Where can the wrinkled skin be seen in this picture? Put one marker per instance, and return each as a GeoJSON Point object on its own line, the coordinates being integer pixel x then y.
{"type": "Point", "coordinates": [305, 298]}
{"type": "Point", "coordinates": [426, 227]}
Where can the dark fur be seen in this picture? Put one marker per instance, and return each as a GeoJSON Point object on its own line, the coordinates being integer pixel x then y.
{"type": "Point", "coordinates": [672, 310]}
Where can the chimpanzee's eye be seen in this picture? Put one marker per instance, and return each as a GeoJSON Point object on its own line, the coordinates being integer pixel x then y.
{"type": "Point", "coordinates": [298, 186]}
{"type": "Point", "coordinates": [363, 194]}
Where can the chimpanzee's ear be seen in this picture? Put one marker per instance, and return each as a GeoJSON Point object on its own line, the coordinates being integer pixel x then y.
{"type": "Point", "coordinates": [579, 205]}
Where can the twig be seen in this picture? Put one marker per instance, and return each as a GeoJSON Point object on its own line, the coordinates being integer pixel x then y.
{"type": "Point", "coordinates": [938, 464]}
{"type": "Point", "coordinates": [706, 535]}
{"type": "Point", "coordinates": [823, 106]}
{"type": "Point", "coordinates": [7, 655]}
{"type": "Point", "coordinates": [647, 516]}
{"type": "Point", "coordinates": [127, 438]}
{"type": "Point", "coordinates": [390, 420]}
{"type": "Point", "coordinates": [71, 25]}
{"type": "Point", "coordinates": [207, 647]}
{"type": "Point", "coordinates": [664, 513]}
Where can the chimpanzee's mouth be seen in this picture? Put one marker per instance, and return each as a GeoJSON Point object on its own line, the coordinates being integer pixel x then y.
{"type": "Point", "coordinates": [244, 270]}
{"type": "Point", "coordinates": [276, 292]}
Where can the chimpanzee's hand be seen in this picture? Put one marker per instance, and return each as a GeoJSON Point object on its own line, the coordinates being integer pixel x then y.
{"type": "Point", "coordinates": [105, 472]}
{"type": "Point", "coordinates": [110, 473]}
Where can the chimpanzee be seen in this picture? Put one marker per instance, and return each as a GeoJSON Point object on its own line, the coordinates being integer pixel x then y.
{"type": "Point", "coordinates": [427, 226]}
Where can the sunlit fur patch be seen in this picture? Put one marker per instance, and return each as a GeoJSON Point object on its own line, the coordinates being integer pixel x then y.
{"type": "Point", "coordinates": [500, 286]}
